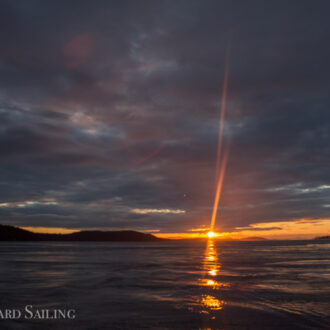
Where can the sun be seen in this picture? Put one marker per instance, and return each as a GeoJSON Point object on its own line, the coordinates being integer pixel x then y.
{"type": "Point", "coordinates": [211, 234]}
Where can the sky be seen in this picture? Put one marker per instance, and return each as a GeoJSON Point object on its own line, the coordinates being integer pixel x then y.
{"type": "Point", "coordinates": [109, 115]}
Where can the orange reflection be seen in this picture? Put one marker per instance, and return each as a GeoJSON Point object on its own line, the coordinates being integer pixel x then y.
{"type": "Point", "coordinates": [213, 272]}
{"type": "Point", "coordinates": [212, 283]}
{"type": "Point", "coordinates": [212, 302]}
{"type": "Point", "coordinates": [211, 265]}
{"type": "Point", "coordinates": [209, 300]}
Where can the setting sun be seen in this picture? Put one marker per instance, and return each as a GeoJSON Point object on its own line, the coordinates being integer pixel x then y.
{"type": "Point", "coordinates": [211, 234]}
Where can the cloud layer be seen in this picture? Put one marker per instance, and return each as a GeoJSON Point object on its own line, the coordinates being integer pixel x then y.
{"type": "Point", "coordinates": [108, 107]}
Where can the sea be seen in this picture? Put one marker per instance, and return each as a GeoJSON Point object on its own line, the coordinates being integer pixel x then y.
{"type": "Point", "coordinates": [167, 285]}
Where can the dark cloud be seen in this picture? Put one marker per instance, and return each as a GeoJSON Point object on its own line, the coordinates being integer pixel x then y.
{"type": "Point", "coordinates": [107, 106]}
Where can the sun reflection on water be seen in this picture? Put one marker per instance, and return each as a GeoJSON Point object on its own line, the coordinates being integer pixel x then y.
{"type": "Point", "coordinates": [209, 300]}
{"type": "Point", "coordinates": [211, 264]}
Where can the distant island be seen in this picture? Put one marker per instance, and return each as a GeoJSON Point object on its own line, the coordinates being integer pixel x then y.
{"type": "Point", "coordinates": [322, 237]}
{"type": "Point", "coordinates": [10, 233]}
{"type": "Point", "coordinates": [253, 238]}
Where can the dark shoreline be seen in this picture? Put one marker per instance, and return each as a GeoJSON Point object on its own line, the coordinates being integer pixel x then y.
{"type": "Point", "coordinates": [10, 233]}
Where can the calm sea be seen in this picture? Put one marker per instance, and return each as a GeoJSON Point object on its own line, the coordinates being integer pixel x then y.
{"type": "Point", "coordinates": [169, 285]}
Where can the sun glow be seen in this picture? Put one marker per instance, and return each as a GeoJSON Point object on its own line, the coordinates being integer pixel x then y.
{"type": "Point", "coordinates": [211, 234]}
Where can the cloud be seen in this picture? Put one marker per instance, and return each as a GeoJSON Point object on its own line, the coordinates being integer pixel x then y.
{"type": "Point", "coordinates": [117, 108]}
{"type": "Point", "coordinates": [161, 211]}
{"type": "Point", "coordinates": [258, 228]}
{"type": "Point", "coordinates": [28, 203]}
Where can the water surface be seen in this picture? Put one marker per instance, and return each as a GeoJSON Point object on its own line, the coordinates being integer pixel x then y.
{"type": "Point", "coordinates": [169, 285]}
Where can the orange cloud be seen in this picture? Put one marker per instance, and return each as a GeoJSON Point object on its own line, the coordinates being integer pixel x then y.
{"type": "Point", "coordinates": [301, 228]}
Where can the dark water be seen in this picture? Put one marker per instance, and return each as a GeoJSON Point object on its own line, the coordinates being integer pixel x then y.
{"type": "Point", "coordinates": [172, 285]}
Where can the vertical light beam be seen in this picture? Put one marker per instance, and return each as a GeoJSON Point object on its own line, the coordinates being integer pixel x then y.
{"type": "Point", "coordinates": [222, 116]}
{"type": "Point", "coordinates": [221, 167]}
{"type": "Point", "coordinates": [219, 187]}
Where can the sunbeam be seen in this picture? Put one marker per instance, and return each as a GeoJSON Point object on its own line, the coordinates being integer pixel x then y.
{"type": "Point", "coordinates": [221, 162]}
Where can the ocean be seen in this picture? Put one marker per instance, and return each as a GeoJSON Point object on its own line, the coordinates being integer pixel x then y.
{"type": "Point", "coordinates": [168, 285]}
